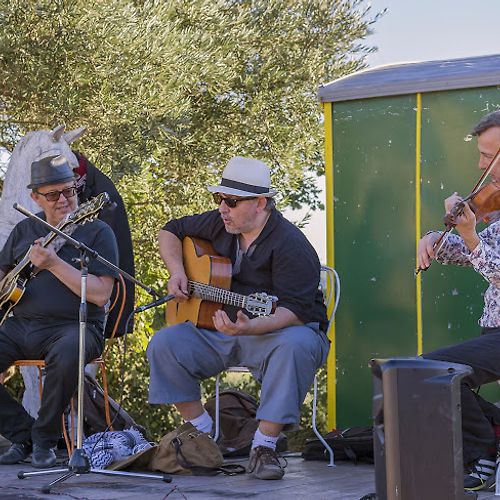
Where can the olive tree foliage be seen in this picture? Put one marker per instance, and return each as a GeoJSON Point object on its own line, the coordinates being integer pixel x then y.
{"type": "Point", "coordinates": [169, 91]}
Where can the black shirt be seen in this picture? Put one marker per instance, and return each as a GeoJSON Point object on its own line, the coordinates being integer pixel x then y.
{"type": "Point", "coordinates": [280, 262]}
{"type": "Point", "coordinates": [46, 296]}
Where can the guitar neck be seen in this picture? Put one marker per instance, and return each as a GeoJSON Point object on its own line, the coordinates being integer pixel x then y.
{"type": "Point", "coordinates": [88, 211]}
{"type": "Point", "coordinates": [25, 261]}
{"type": "Point", "coordinates": [219, 295]}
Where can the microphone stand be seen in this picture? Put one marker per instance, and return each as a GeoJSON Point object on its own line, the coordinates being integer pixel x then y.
{"type": "Point", "coordinates": [79, 462]}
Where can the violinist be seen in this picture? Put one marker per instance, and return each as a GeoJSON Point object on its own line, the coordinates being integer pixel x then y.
{"type": "Point", "coordinates": [482, 252]}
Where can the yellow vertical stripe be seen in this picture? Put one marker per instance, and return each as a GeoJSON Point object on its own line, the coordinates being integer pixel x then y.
{"type": "Point", "coordinates": [331, 363]}
{"type": "Point", "coordinates": [418, 230]}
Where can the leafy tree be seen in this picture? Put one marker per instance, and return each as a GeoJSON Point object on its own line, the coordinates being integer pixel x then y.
{"type": "Point", "coordinates": [169, 92]}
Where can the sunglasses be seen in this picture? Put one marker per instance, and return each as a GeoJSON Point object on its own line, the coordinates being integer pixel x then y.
{"type": "Point", "coordinates": [230, 202]}
{"type": "Point", "coordinates": [55, 195]}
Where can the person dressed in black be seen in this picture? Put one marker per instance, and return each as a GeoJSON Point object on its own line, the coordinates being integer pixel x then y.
{"type": "Point", "coordinates": [283, 350]}
{"type": "Point", "coordinates": [90, 182]}
{"type": "Point", "coordinates": [44, 323]}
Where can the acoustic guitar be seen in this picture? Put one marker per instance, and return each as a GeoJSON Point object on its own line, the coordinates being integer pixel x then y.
{"type": "Point", "coordinates": [13, 285]}
{"type": "Point", "coordinates": [209, 283]}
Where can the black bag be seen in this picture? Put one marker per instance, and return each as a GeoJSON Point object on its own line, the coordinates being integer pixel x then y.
{"type": "Point", "coordinates": [94, 415]}
{"type": "Point", "coordinates": [354, 443]}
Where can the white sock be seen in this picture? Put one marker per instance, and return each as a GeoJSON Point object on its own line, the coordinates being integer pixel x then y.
{"type": "Point", "coordinates": [203, 423]}
{"type": "Point", "coordinates": [260, 439]}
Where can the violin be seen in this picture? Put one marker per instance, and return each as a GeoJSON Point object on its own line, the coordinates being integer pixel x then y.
{"type": "Point", "coordinates": [484, 201]}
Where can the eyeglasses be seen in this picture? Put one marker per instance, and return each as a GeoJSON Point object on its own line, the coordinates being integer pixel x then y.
{"type": "Point", "coordinates": [230, 202]}
{"type": "Point", "coordinates": [55, 195]}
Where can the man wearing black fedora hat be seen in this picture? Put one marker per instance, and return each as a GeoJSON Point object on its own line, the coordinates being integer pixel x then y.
{"type": "Point", "coordinates": [283, 350]}
{"type": "Point", "coordinates": [44, 323]}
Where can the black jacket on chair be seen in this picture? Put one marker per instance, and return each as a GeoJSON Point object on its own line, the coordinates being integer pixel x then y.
{"type": "Point", "coordinates": [116, 217]}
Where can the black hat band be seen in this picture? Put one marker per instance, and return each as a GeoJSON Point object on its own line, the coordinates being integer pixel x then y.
{"type": "Point", "coordinates": [243, 186]}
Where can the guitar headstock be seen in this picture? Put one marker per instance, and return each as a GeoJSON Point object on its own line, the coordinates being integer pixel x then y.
{"type": "Point", "coordinates": [87, 211]}
{"type": "Point", "coordinates": [261, 304]}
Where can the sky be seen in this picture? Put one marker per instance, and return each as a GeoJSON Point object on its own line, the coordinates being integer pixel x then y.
{"type": "Point", "coordinates": [420, 30]}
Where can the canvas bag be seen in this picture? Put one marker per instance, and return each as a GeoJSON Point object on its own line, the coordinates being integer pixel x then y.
{"type": "Point", "coordinates": [185, 450]}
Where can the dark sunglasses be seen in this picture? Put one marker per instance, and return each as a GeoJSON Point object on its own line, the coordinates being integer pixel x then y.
{"type": "Point", "coordinates": [55, 195]}
{"type": "Point", "coordinates": [230, 202]}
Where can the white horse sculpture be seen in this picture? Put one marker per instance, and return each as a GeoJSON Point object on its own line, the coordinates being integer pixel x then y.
{"type": "Point", "coordinates": [33, 146]}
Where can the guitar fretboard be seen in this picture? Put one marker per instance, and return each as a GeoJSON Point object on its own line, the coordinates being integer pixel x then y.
{"type": "Point", "coordinates": [214, 294]}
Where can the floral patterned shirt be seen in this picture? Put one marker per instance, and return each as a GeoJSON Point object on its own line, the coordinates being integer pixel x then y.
{"type": "Point", "coordinates": [485, 259]}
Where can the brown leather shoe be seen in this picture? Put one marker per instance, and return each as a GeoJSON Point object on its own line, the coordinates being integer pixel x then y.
{"type": "Point", "coordinates": [16, 453]}
{"type": "Point", "coordinates": [264, 463]}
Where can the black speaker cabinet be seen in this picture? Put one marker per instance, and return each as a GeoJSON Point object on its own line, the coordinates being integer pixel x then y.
{"type": "Point", "coordinates": [417, 429]}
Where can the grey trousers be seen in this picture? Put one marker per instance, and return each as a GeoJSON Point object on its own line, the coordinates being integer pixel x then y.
{"type": "Point", "coordinates": [284, 362]}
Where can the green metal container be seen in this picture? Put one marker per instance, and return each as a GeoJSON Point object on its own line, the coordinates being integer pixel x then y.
{"type": "Point", "coordinates": [396, 145]}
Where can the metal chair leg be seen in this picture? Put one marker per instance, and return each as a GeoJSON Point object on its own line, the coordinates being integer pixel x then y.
{"type": "Point", "coordinates": [318, 434]}
{"type": "Point", "coordinates": [217, 403]}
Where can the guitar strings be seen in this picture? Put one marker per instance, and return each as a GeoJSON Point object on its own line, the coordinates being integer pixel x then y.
{"type": "Point", "coordinates": [213, 294]}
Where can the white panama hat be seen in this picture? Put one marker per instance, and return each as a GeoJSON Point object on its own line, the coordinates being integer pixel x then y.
{"type": "Point", "coordinates": [245, 177]}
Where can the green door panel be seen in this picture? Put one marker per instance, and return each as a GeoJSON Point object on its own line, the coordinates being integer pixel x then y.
{"type": "Point", "coordinates": [374, 144]}
{"type": "Point", "coordinates": [374, 210]}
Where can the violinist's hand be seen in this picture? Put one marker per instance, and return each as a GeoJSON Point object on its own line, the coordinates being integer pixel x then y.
{"type": "Point", "coordinates": [451, 201]}
{"type": "Point", "coordinates": [425, 251]}
{"type": "Point", "coordinates": [465, 222]}
{"type": "Point", "coordinates": [466, 227]}
{"type": "Point", "coordinates": [178, 286]}
{"type": "Point", "coordinates": [43, 257]}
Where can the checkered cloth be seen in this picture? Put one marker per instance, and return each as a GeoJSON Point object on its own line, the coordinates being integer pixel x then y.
{"type": "Point", "coordinates": [104, 448]}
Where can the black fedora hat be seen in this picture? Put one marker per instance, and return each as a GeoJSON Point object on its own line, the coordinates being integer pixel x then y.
{"type": "Point", "coordinates": [50, 170]}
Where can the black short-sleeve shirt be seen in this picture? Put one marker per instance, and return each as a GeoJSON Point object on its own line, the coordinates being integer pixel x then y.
{"type": "Point", "coordinates": [45, 295]}
{"type": "Point", "coordinates": [282, 263]}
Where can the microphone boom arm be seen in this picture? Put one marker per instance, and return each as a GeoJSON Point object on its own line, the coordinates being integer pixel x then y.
{"type": "Point", "coordinates": [156, 303]}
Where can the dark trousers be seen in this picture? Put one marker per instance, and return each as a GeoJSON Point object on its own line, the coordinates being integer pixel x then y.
{"type": "Point", "coordinates": [57, 342]}
{"type": "Point", "coordinates": [482, 354]}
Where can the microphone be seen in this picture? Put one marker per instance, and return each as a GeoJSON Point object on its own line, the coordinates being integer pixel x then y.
{"type": "Point", "coordinates": [158, 302]}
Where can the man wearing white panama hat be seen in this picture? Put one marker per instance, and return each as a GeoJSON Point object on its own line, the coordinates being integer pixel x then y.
{"type": "Point", "coordinates": [283, 350]}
